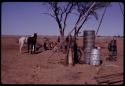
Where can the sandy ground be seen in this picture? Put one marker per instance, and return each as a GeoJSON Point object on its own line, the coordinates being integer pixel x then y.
{"type": "Point", "coordinates": [45, 68]}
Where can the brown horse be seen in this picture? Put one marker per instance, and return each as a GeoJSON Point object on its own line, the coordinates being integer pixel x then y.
{"type": "Point", "coordinates": [32, 43]}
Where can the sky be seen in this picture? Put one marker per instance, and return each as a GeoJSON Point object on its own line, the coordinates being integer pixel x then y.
{"type": "Point", "coordinates": [25, 18]}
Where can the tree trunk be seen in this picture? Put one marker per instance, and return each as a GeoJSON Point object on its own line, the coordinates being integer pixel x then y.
{"type": "Point", "coordinates": [62, 40]}
{"type": "Point", "coordinates": [62, 35]}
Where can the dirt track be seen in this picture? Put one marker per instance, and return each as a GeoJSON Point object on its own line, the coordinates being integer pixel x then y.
{"type": "Point", "coordinates": [42, 69]}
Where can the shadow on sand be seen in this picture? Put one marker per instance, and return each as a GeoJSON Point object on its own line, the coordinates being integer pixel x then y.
{"type": "Point", "coordinates": [37, 52]}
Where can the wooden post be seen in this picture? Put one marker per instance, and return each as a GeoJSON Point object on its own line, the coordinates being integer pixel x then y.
{"type": "Point", "coordinates": [71, 52]}
{"type": "Point", "coordinates": [70, 57]}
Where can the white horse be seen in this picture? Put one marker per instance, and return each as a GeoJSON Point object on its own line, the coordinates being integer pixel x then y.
{"type": "Point", "coordinates": [22, 40]}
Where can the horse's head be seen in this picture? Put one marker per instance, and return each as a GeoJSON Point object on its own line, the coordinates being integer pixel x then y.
{"type": "Point", "coordinates": [35, 35]}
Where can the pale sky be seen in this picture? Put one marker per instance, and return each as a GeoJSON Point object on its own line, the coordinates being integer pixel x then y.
{"type": "Point", "coordinates": [25, 18]}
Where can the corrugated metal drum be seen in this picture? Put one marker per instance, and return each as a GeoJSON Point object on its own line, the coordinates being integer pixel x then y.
{"type": "Point", "coordinates": [95, 57]}
{"type": "Point", "coordinates": [89, 38]}
{"type": "Point", "coordinates": [87, 57]}
{"type": "Point", "coordinates": [89, 42]}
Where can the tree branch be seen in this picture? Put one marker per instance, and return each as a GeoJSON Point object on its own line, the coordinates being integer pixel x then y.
{"type": "Point", "coordinates": [67, 13]}
{"type": "Point", "coordinates": [50, 15]}
{"type": "Point", "coordinates": [77, 31]}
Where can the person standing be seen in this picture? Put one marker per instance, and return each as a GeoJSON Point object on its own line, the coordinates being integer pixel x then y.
{"type": "Point", "coordinates": [112, 47]}
{"type": "Point", "coordinates": [58, 40]}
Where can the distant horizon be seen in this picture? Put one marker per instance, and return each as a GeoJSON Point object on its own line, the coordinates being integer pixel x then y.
{"type": "Point", "coordinates": [64, 36]}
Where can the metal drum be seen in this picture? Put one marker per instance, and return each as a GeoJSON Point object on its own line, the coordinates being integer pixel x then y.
{"type": "Point", "coordinates": [89, 38]}
{"type": "Point", "coordinates": [95, 57]}
{"type": "Point", "coordinates": [87, 57]}
{"type": "Point", "coordinates": [89, 43]}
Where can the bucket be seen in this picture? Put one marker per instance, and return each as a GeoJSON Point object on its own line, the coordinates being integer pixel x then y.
{"type": "Point", "coordinates": [95, 57]}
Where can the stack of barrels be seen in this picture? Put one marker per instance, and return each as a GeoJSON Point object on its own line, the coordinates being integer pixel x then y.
{"type": "Point", "coordinates": [89, 42]}
{"type": "Point", "coordinates": [91, 54]}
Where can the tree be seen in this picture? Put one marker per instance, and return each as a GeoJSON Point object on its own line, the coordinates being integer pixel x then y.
{"type": "Point", "coordinates": [60, 12]}
{"type": "Point", "coordinates": [84, 10]}
{"type": "Point", "coordinates": [90, 9]}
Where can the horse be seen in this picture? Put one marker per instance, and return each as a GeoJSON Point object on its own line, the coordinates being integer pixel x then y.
{"type": "Point", "coordinates": [31, 41]}
{"type": "Point", "coordinates": [22, 41]}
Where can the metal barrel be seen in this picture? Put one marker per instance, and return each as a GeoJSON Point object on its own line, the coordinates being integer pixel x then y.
{"type": "Point", "coordinates": [89, 38]}
{"type": "Point", "coordinates": [89, 43]}
{"type": "Point", "coordinates": [95, 57]}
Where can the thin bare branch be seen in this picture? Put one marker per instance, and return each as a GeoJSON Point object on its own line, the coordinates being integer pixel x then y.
{"type": "Point", "coordinates": [77, 31]}
{"type": "Point", "coordinates": [67, 13]}
{"type": "Point", "coordinates": [49, 14]}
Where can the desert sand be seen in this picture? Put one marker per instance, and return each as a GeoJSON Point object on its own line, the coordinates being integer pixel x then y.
{"type": "Point", "coordinates": [45, 68]}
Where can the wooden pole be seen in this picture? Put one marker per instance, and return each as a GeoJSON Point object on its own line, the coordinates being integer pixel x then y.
{"type": "Point", "coordinates": [121, 9]}
{"type": "Point", "coordinates": [70, 57]}
{"type": "Point", "coordinates": [101, 20]}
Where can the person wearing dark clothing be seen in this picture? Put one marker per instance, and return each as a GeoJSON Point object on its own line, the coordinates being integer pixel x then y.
{"type": "Point", "coordinates": [44, 45]}
{"type": "Point", "coordinates": [58, 40]}
{"type": "Point", "coordinates": [112, 47]}
{"type": "Point", "coordinates": [75, 52]}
